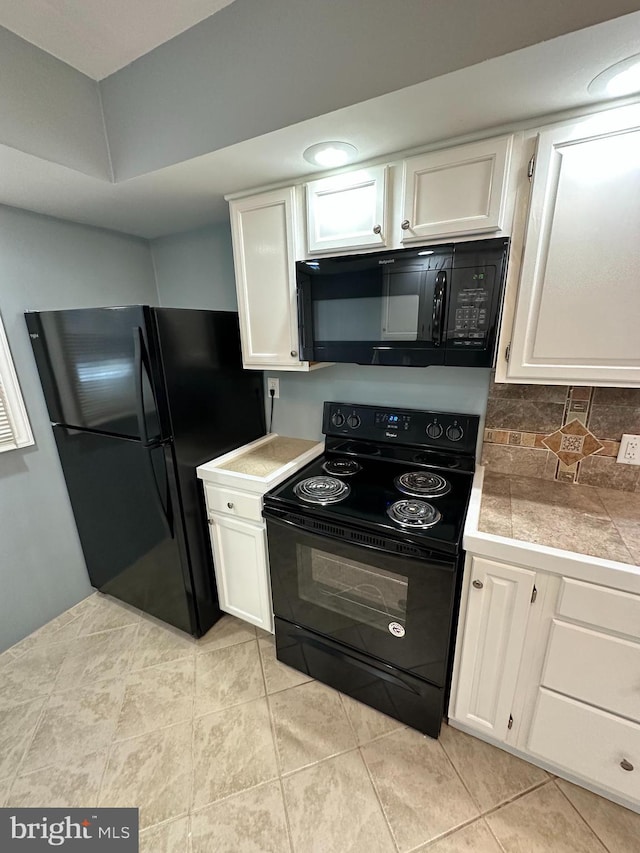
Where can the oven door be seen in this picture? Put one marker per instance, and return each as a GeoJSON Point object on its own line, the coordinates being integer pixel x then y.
{"type": "Point", "coordinates": [396, 608]}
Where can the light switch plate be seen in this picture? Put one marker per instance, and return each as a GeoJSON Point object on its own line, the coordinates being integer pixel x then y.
{"type": "Point", "coordinates": [629, 453]}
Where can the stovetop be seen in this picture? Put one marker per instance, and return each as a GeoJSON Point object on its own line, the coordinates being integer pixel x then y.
{"type": "Point", "coordinates": [386, 445]}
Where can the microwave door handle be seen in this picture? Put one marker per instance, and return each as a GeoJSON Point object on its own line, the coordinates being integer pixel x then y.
{"type": "Point", "coordinates": [438, 305]}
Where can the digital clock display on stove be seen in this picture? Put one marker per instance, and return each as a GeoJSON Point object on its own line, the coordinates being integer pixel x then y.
{"type": "Point", "coordinates": [387, 420]}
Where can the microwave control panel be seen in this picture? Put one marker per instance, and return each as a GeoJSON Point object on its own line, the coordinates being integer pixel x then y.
{"type": "Point", "coordinates": [470, 313]}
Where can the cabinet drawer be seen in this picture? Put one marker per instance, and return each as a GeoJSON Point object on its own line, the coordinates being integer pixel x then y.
{"type": "Point", "coordinates": [606, 608]}
{"type": "Point", "coordinates": [596, 668]}
{"type": "Point", "coordinates": [231, 502]}
{"type": "Point", "coordinates": [587, 741]}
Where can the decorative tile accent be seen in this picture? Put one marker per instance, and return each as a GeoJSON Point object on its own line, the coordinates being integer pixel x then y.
{"type": "Point", "coordinates": [572, 443]}
{"type": "Point", "coordinates": [579, 392]}
{"type": "Point", "coordinates": [578, 425]}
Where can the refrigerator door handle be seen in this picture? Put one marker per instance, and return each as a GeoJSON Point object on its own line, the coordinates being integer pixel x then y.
{"type": "Point", "coordinates": [141, 365]}
{"type": "Point", "coordinates": [166, 510]}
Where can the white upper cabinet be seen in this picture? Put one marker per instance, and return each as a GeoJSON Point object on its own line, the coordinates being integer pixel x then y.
{"type": "Point", "coordinates": [263, 231]}
{"type": "Point", "coordinates": [348, 211]}
{"type": "Point", "coordinates": [577, 316]}
{"type": "Point", "coordinates": [456, 191]}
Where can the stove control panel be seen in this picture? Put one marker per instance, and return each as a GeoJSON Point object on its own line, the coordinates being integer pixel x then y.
{"type": "Point", "coordinates": [439, 430]}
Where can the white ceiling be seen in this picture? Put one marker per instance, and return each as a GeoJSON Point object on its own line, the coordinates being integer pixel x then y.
{"type": "Point", "coordinates": [99, 37]}
{"type": "Point", "coordinates": [535, 81]}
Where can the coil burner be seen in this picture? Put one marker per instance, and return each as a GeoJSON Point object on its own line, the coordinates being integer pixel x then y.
{"type": "Point", "coordinates": [321, 490]}
{"type": "Point", "coordinates": [341, 467]}
{"type": "Point", "coordinates": [417, 515]}
{"type": "Point", "coordinates": [422, 484]}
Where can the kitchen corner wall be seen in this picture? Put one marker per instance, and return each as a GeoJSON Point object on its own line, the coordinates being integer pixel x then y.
{"type": "Point", "coordinates": [563, 433]}
{"type": "Point", "coordinates": [195, 269]}
{"type": "Point", "coordinates": [49, 263]}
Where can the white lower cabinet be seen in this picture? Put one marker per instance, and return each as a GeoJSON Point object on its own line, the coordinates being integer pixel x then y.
{"type": "Point", "coordinates": [549, 667]}
{"type": "Point", "coordinates": [242, 572]}
{"type": "Point", "coordinates": [233, 486]}
{"type": "Point", "coordinates": [587, 741]}
{"type": "Point", "coordinates": [498, 602]}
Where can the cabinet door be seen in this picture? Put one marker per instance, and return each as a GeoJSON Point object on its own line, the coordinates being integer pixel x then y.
{"type": "Point", "coordinates": [457, 191]}
{"type": "Point", "coordinates": [498, 604]}
{"type": "Point", "coordinates": [576, 318]}
{"type": "Point", "coordinates": [347, 211]}
{"type": "Point", "coordinates": [242, 569]}
{"type": "Point", "coordinates": [263, 229]}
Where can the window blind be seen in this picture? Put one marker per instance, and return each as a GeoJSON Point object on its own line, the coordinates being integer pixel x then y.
{"type": "Point", "coordinates": [7, 436]}
{"type": "Point", "coordinates": [15, 430]}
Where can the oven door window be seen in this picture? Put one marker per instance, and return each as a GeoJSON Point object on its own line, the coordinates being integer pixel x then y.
{"type": "Point", "coordinates": [359, 591]}
{"type": "Point", "coordinates": [396, 608]}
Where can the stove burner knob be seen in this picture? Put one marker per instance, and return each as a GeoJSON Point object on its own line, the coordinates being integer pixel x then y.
{"type": "Point", "coordinates": [454, 433]}
{"type": "Point", "coordinates": [353, 421]}
{"type": "Point", "coordinates": [337, 419]}
{"type": "Point", "coordinates": [434, 430]}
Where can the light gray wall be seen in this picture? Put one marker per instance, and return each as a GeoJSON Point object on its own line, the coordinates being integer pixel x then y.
{"type": "Point", "coordinates": [257, 66]}
{"type": "Point", "coordinates": [195, 269]}
{"type": "Point", "coordinates": [49, 109]}
{"type": "Point", "coordinates": [49, 263]}
{"type": "Point", "coordinates": [298, 412]}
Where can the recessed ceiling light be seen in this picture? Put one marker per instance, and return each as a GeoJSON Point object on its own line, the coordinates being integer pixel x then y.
{"type": "Point", "coordinates": [430, 252]}
{"type": "Point", "coordinates": [330, 154]}
{"type": "Point", "coordinates": [617, 80]}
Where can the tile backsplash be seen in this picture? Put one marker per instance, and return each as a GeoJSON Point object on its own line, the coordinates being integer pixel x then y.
{"type": "Point", "coordinates": [564, 433]}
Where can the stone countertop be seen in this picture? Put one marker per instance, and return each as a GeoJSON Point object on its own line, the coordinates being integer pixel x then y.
{"type": "Point", "coordinates": [584, 520]}
{"type": "Point", "coordinates": [268, 457]}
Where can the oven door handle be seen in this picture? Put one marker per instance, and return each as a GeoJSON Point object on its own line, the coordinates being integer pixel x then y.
{"type": "Point", "coordinates": [280, 517]}
{"type": "Point", "coordinates": [368, 668]}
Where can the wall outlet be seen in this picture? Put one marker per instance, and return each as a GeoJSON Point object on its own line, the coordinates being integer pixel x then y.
{"type": "Point", "coordinates": [275, 385]}
{"type": "Point", "coordinates": [629, 452]}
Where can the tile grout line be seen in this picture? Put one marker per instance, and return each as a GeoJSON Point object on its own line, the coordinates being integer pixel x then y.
{"type": "Point", "coordinates": [287, 820]}
{"type": "Point", "coordinates": [192, 786]}
{"type": "Point", "coordinates": [583, 819]}
{"type": "Point", "coordinates": [459, 775]}
{"type": "Point", "coordinates": [113, 741]}
{"type": "Point", "coordinates": [378, 799]}
{"type": "Point", "coordinates": [45, 705]}
{"type": "Point", "coordinates": [516, 797]}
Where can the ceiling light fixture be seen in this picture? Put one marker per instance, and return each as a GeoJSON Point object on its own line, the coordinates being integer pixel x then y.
{"type": "Point", "coordinates": [330, 155]}
{"type": "Point", "coordinates": [622, 78]}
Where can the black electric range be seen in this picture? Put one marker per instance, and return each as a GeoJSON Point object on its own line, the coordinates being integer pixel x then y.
{"type": "Point", "coordinates": [365, 553]}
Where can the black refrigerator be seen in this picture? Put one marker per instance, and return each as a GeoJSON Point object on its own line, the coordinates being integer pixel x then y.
{"type": "Point", "coordinates": [138, 397]}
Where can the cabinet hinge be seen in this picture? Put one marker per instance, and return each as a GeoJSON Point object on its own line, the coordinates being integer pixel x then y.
{"type": "Point", "coordinates": [507, 352]}
{"type": "Point", "coordinates": [531, 168]}
{"type": "Point", "coordinates": [510, 723]}
{"type": "Point", "coordinates": [534, 594]}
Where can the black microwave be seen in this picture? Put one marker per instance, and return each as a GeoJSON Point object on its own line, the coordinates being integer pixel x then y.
{"type": "Point", "coordinates": [413, 307]}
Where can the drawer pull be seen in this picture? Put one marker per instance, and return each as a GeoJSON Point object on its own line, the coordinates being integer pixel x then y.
{"type": "Point", "coordinates": [626, 765]}
{"type": "Point", "coordinates": [230, 504]}
{"type": "Point", "coordinates": [478, 584]}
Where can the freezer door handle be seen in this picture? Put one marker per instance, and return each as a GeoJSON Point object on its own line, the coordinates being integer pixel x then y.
{"type": "Point", "coordinates": [166, 510]}
{"type": "Point", "coordinates": [142, 368]}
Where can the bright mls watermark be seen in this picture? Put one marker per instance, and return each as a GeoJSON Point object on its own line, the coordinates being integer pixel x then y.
{"type": "Point", "coordinates": [80, 830]}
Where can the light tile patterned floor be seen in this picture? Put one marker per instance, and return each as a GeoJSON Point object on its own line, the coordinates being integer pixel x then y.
{"type": "Point", "coordinates": [225, 750]}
